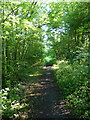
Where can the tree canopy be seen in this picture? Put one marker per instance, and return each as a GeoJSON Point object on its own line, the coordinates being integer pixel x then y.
{"type": "Point", "coordinates": [35, 32]}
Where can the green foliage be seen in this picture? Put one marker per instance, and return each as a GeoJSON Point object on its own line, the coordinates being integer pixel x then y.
{"type": "Point", "coordinates": [69, 27]}
{"type": "Point", "coordinates": [22, 45]}
{"type": "Point", "coordinates": [72, 79]}
{"type": "Point", "coordinates": [10, 99]}
{"type": "Point", "coordinates": [26, 44]}
{"type": "Point", "coordinates": [79, 101]}
{"type": "Point", "coordinates": [70, 37]}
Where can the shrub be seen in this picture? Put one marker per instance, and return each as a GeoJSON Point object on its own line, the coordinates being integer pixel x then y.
{"type": "Point", "coordinates": [72, 79]}
{"type": "Point", "coordinates": [10, 99]}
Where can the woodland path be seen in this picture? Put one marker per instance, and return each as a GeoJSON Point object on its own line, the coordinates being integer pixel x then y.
{"type": "Point", "coordinates": [46, 100]}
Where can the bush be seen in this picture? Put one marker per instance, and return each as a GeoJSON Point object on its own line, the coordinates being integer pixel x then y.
{"type": "Point", "coordinates": [10, 99]}
{"type": "Point", "coordinates": [72, 79]}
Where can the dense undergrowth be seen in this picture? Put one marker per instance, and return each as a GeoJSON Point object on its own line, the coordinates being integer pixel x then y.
{"type": "Point", "coordinates": [13, 100]}
{"type": "Point", "coordinates": [73, 80]}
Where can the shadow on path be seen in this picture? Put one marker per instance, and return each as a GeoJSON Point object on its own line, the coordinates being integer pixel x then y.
{"type": "Point", "coordinates": [48, 100]}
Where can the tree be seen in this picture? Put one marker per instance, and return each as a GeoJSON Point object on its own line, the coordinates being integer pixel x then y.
{"type": "Point", "coordinates": [22, 44]}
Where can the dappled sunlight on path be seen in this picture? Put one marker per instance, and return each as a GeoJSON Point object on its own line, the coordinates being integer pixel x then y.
{"type": "Point", "coordinates": [44, 99]}
{"type": "Point", "coordinates": [49, 99]}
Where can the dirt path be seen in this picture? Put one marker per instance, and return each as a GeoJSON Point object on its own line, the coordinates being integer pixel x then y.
{"type": "Point", "coordinates": [49, 104]}
{"type": "Point", "coordinates": [46, 100]}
